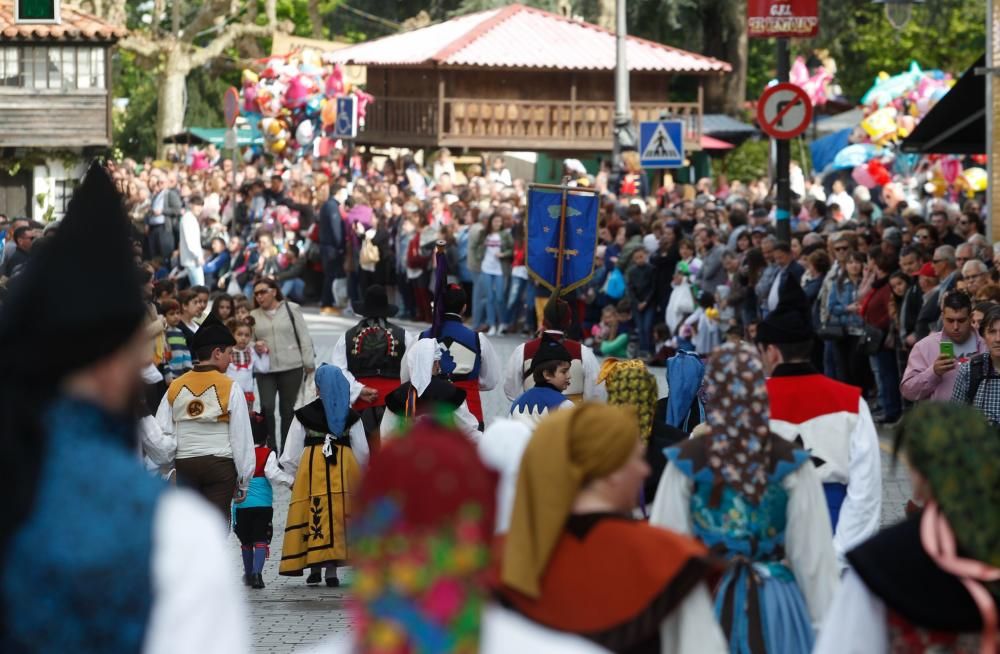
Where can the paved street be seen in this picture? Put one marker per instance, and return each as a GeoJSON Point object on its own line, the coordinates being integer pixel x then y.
{"type": "Point", "coordinates": [288, 616]}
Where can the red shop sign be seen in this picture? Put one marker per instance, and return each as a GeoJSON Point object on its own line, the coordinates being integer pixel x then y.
{"type": "Point", "coordinates": [782, 18]}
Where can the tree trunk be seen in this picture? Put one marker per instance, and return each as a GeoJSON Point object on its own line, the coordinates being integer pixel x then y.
{"type": "Point", "coordinates": [171, 102]}
{"type": "Point", "coordinates": [725, 38]}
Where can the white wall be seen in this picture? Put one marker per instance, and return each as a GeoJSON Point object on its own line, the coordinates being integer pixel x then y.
{"type": "Point", "coordinates": [45, 178]}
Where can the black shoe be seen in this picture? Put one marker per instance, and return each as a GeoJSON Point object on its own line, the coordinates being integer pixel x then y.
{"type": "Point", "coordinates": [314, 578]}
{"type": "Point", "coordinates": [256, 581]}
{"type": "Point", "coordinates": [332, 582]}
{"type": "Point", "coordinates": [247, 579]}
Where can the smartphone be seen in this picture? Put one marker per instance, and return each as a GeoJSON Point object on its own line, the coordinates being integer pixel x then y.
{"type": "Point", "coordinates": [948, 349]}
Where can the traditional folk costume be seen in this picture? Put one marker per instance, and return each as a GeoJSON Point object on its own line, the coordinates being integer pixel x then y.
{"type": "Point", "coordinates": [538, 401]}
{"type": "Point", "coordinates": [324, 455]}
{"type": "Point", "coordinates": [629, 383]}
{"type": "Point", "coordinates": [649, 595]}
{"type": "Point", "coordinates": [423, 537]}
{"type": "Point", "coordinates": [243, 366]}
{"type": "Point", "coordinates": [427, 393]}
{"type": "Point", "coordinates": [468, 360]}
{"type": "Point", "coordinates": [252, 516]}
{"type": "Point", "coordinates": [371, 355]}
{"type": "Point", "coordinates": [206, 412]}
{"type": "Point", "coordinates": [931, 583]}
{"type": "Point", "coordinates": [124, 559]}
{"type": "Point", "coordinates": [831, 421]}
{"type": "Point", "coordinates": [756, 501]}
{"type": "Point", "coordinates": [583, 369]}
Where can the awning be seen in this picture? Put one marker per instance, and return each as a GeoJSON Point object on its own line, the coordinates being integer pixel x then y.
{"type": "Point", "coordinates": [709, 143]}
{"type": "Point", "coordinates": [216, 135]}
{"type": "Point", "coordinates": [957, 123]}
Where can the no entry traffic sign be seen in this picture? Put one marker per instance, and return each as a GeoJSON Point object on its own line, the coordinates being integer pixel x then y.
{"type": "Point", "coordinates": [784, 111]}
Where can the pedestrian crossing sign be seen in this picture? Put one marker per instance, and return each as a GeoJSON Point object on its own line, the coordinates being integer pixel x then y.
{"type": "Point", "coordinates": [661, 144]}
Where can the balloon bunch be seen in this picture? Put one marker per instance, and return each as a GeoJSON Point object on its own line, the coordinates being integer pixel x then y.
{"type": "Point", "coordinates": [816, 85]}
{"type": "Point", "coordinates": [292, 99]}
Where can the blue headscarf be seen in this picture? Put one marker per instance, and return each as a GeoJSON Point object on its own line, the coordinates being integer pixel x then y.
{"type": "Point", "coordinates": [685, 371]}
{"type": "Point", "coordinates": [335, 394]}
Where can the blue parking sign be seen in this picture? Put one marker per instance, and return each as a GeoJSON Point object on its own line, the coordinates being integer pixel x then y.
{"type": "Point", "coordinates": [346, 125]}
{"type": "Point", "coordinates": [661, 144]}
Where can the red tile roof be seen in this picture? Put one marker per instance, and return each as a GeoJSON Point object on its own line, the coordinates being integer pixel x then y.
{"type": "Point", "coordinates": [74, 26]}
{"type": "Point", "coordinates": [522, 37]}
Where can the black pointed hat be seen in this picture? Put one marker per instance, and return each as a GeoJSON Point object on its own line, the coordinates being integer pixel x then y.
{"type": "Point", "coordinates": [376, 303]}
{"type": "Point", "coordinates": [79, 298]}
{"type": "Point", "coordinates": [212, 333]}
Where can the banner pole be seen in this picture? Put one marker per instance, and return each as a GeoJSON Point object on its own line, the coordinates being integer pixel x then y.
{"type": "Point", "coordinates": [562, 243]}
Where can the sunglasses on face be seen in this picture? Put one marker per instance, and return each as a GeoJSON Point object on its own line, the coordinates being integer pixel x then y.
{"type": "Point", "coordinates": [842, 248]}
{"type": "Point", "coordinates": [261, 291]}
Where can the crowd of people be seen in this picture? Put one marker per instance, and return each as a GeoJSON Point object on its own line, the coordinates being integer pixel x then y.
{"type": "Point", "coordinates": [739, 513]}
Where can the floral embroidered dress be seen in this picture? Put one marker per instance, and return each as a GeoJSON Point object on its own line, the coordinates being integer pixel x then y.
{"type": "Point", "coordinates": [756, 502]}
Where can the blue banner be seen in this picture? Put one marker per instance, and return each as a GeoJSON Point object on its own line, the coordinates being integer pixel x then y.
{"type": "Point", "coordinates": [545, 223]}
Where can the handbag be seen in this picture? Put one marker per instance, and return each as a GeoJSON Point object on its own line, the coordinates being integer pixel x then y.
{"type": "Point", "coordinates": [871, 340]}
{"type": "Point", "coordinates": [307, 389]}
{"type": "Point", "coordinates": [831, 332]}
{"type": "Point", "coordinates": [369, 255]}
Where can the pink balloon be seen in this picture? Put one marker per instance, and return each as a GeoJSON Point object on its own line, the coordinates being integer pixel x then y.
{"type": "Point", "coordinates": [861, 175]}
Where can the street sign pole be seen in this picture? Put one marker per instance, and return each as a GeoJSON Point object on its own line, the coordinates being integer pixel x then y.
{"type": "Point", "coordinates": [783, 210]}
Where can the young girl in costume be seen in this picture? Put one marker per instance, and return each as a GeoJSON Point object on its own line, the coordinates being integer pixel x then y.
{"type": "Point", "coordinates": [324, 453]}
{"type": "Point", "coordinates": [247, 359]}
{"type": "Point", "coordinates": [252, 516]}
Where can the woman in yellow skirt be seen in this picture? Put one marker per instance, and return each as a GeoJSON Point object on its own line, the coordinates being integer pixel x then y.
{"type": "Point", "coordinates": [324, 452]}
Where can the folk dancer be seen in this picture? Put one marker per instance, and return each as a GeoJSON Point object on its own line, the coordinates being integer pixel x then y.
{"type": "Point", "coordinates": [468, 359]}
{"type": "Point", "coordinates": [207, 413]}
{"type": "Point", "coordinates": [129, 564]}
{"type": "Point", "coordinates": [371, 355]}
{"type": "Point", "coordinates": [324, 455]}
{"type": "Point", "coordinates": [583, 368]}
{"type": "Point", "coordinates": [828, 419]}
{"type": "Point", "coordinates": [756, 501]}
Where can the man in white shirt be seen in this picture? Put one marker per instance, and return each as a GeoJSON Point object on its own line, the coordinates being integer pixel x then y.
{"type": "Point", "coordinates": [192, 255]}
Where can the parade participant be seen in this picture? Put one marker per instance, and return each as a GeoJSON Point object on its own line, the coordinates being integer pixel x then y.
{"type": "Point", "coordinates": [422, 543]}
{"type": "Point", "coordinates": [579, 480]}
{"type": "Point", "coordinates": [79, 510]}
{"type": "Point", "coordinates": [550, 370]}
{"type": "Point", "coordinates": [370, 355]}
{"type": "Point", "coordinates": [501, 449]}
{"type": "Point", "coordinates": [557, 318]}
{"type": "Point", "coordinates": [246, 360]}
{"type": "Point", "coordinates": [757, 502]}
{"type": "Point", "coordinates": [932, 367]}
{"type": "Point", "coordinates": [830, 420]}
{"type": "Point", "coordinates": [427, 392]}
{"type": "Point", "coordinates": [470, 362]}
{"type": "Point", "coordinates": [207, 413]}
{"type": "Point", "coordinates": [252, 516]}
{"type": "Point", "coordinates": [929, 583]}
{"type": "Point", "coordinates": [629, 383]}
{"type": "Point", "coordinates": [324, 454]}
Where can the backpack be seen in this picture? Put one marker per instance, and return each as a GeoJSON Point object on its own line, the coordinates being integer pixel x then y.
{"type": "Point", "coordinates": [977, 373]}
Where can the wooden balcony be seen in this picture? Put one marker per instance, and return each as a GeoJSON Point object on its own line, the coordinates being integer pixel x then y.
{"type": "Point", "coordinates": [512, 124]}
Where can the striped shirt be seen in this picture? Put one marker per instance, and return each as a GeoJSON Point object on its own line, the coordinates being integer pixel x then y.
{"type": "Point", "coordinates": [180, 355]}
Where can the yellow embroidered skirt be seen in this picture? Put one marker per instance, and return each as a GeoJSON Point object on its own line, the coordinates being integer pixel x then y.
{"type": "Point", "coordinates": [316, 528]}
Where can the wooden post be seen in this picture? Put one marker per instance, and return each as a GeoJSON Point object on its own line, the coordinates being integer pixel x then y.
{"type": "Point", "coordinates": [572, 106]}
{"type": "Point", "coordinates": [440, 116]}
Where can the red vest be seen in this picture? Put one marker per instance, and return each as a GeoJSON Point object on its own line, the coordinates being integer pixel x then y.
{"type": "Point", "coordinates": [261, 452]}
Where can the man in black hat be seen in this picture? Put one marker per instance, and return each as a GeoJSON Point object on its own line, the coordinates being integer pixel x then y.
{"type": "Point", "coordinates": [371, 356]}
{"type": "Point", "coordinates": [112, 543]}
{"type": "Point", "coordinates": [827, 418]}
{"type": "Point", "coordinates": [207, 413]}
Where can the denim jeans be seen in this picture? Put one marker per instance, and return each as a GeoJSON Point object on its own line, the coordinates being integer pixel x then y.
{"type": "Point", "coordinates": [644, 325]}
{"type": "Point", "coordinates": [494, 297]}
{"type": "Point", "coordinates": [479, 298]}
{"type": "Point", "coordinates": [294, 288]}
{"type": "Point", "coordinates": [887, 380]}
{"type": "Point", "coordinates": [515, 300]}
